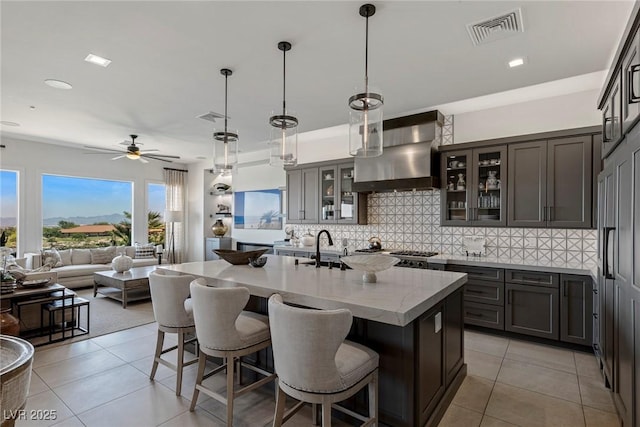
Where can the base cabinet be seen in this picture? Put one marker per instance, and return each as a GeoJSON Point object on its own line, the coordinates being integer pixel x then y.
{"type": "Point", "coordinates": [532, 310]}
{"type": "Point", "coordinates": [212, 243]}
{"type": "Point", "coordinates": [576, 303]}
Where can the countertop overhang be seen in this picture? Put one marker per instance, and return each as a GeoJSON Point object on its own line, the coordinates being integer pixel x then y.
{"type": "Point", "coordinates": [399, 297]}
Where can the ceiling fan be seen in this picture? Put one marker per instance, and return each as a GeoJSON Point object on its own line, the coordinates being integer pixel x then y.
{"type": "Point", "coordinates": [133, 152]}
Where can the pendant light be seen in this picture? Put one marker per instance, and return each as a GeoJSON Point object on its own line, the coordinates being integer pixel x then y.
{"type": "Point", "coordinates": [365, 108]}
{"type": "Point", "coordinates": [284, 127]}
{"type": "Point", "coordinates": [225, 143]}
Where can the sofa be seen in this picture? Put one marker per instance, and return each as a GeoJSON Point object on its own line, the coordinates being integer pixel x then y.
{"type": "Point", "coordinates": [75, 267]}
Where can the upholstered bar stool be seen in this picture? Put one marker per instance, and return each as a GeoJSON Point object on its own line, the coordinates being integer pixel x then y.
{"type": "Point", "coordinates": [168, 295]}
{"type": "Point", "coordinates": [225, 330]}
{"type": "Point", "coordinates": [315, 363]}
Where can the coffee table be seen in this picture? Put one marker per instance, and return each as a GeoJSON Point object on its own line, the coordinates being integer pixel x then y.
{"type": "Point", "coordinates": [132, 285]}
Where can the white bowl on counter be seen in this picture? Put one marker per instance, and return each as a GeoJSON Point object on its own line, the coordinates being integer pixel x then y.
{"type": "Point", "coordinates": [370, 264]}
{"type": "Point", "coordinates": [307, 240]}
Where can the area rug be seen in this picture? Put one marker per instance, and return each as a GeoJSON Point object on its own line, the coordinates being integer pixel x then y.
{"type": "Point", "coordinates": [107, 316]}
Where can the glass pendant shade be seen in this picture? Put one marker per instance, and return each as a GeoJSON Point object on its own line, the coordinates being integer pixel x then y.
{"type": "Point", "coordinates": [365, 107]}
{"type": "Point", "coordinates": [365, 124]}
{"type": "Point", "coordinates": [225, 151]}
{"type": "Point", "coordinates": [225, 141]}
{"type": "Point", "coordinates": [283, 142]}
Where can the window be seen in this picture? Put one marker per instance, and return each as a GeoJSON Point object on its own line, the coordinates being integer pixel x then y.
{"type": "Point", "coordinates": [9, 207]}
{"type": "Point", "coordinates": [156, 202]}
{"type": "Point", "coordinates": [85, 212]}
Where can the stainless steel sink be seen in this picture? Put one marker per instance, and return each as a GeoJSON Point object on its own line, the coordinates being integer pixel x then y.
{"type": "Point", "coordinates": [335, 264]}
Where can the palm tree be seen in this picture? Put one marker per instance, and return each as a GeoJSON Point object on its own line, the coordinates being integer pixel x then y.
{"type": "Point", "coordinates": [122, 232]}
{"type": "Point", "coordinates": [156, 227]}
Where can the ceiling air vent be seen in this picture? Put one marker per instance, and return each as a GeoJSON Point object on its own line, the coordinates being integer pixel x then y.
{"type": "Point", "coordinates": [210, 116]}
{"type": "Point", "coordinates": [496, 28]}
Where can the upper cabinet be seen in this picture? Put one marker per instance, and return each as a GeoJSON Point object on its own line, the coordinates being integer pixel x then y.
{"type": "Point", "coordinates": [611, 123]}
{"type": "Point", "coordinates": [323, 194]}
{"type": "Point", "coordinates": [302, 196]}
{"type": "Point", "coordinates": [474, 186]}
{"type": "Point", "coordinates": [338, 202]}
{"type": "Point", "coordinates": [630, 110]}
{"type": "Point", "coordinates": [540, 180]}
{"type": "Point", "coordinates": [550, 183]}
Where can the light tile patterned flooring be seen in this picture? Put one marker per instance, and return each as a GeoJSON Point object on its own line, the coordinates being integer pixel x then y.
{"type": "Point", "coordinates": [104, 381]}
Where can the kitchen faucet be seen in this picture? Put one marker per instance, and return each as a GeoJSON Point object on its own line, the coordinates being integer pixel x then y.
{"type": "Point", "coordinates": [318, 245]}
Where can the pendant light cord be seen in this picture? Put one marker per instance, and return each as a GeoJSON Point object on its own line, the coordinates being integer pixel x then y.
{"type": "Point", "coordinates": [284, 82]}
{"type": "Point", "coordinates": [366, 56]}
{"type": "Point", "coordinates": [226, 78]}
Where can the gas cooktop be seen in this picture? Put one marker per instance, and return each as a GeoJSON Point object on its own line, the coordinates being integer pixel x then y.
{"type": "Point", "coordinates": [420, 254]}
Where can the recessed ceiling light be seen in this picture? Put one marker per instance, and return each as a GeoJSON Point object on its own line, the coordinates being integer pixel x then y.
{"type": "Point", "coordinates": [58, 84]}
{"type": "Point", "coordinates": [201, 158]}
{"type": "Point", "coordinates": [98, 60]}
{"type": "Point", "coordinates": [516, 62]}
{"type": "Point", "coordinates": [6, 123]}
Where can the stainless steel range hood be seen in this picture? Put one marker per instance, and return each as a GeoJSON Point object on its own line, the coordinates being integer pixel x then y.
{"type": "Point", "coordinates": [408, 160]}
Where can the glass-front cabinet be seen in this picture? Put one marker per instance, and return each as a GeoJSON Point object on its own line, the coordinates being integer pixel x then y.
{"type": "Point", "coordinates": [338, 202]}
{"type": "Point", "coordinates": [474, 189]}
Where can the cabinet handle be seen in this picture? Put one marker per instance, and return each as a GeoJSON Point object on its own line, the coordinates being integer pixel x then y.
{"type": "Point", "coordinates": [551, 212]}
{"type": "Point", "coordinates": [605, 255]}
{"type": "Point", "coordinates": [468, 313]}
{"type": "Point", "coordinates": [633, 99]}
{"type": "Point", "coordinates": [531, 279]}
{"type": "Point", "coordinates": [605, 136]}
{"type": "Point", "coordinates": [544, 214]}
{"type": "Point", "coordinates": [564, 290]}
{"type": "Point", "coordinates": [595, 316]}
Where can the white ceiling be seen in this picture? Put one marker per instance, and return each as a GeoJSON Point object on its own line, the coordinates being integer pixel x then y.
{"type": "Point", "coordinates": [167, 56]}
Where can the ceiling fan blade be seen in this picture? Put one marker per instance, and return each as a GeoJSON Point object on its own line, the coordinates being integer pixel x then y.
{"type": "Point", "coordinates": [143, 160]}
{"type": "Point", "coordinates": [119, 157]}
{"type": "Point", "coordinates": [149, 151]}
{"type": "Point", "coordinates": [110, 150]}
{"type": "Point", "coordinates": [149, 156]}
{"type": "Point", "coordinates": [127, 143]}
{"type": "Point", "coordinates": [161, 155]}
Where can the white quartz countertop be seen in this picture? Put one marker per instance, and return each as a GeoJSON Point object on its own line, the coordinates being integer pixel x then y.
{"type": "Point", "coordinates": [398, 298]}
{"type": "Point", "coordinates": [587, 269]}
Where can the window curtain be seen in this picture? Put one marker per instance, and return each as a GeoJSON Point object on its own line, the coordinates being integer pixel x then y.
{"type": "Point", "coordinates": [176, 196]}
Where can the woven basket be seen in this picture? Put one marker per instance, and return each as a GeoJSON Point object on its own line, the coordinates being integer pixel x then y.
{"type": "Point", "coordinates": [238, 257]}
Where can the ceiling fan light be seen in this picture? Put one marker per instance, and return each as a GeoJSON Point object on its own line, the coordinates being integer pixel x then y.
{"type": "Point", "coordinates": [133, 156]}
{"type": "Point", "coordinates": [283, 142]}
{"type": "Point", "coordinates": [366, 108]}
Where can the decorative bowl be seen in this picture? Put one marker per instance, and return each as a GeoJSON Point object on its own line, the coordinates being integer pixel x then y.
{"type": "Point", "coordinates": [370, 264]}
{"type": "Point", "coordinates": [35, 283]}
{"type": "Point", "coordinates": [258, 262]}
{"type": "Point", "coordinates": [239, 257]}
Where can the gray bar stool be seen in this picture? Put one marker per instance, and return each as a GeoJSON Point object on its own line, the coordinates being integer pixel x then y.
{"type": "Point", "coordinates": [315, 363]}
{"type": "Point", "coordinates": [225, 330]}
{"type": "Point", "coordinates": [168, 295]}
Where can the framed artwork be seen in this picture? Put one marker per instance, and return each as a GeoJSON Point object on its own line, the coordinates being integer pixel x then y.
{"type": "Point", "coordinates": [258, 209]}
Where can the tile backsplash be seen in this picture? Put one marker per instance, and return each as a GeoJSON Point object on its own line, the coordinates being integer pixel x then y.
{"type": "Point", "coordinates": [411, 221]}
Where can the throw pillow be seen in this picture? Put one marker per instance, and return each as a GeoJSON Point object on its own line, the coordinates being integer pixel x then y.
{"type": "Point", "coordinates": [51, 257]}
{"type": "Point", "coordinates": [103, 255]}
{"type": "Point", "coordinates": [65, 256]}
{"type": "Point", "coordinates": [145, 251]}
{"type": "Point", "coordinates": [80, 256]}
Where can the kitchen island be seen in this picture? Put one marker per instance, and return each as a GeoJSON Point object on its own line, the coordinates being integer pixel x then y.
{"type": "Point", "coordinates": [413, 318]}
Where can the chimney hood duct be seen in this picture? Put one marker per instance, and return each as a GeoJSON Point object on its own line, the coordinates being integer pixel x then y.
{"type": "Point", "coordinates": [409, 158]}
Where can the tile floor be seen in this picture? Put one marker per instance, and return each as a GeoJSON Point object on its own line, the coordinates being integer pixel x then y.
{"type": "Point", "coordinates": [104, 381]}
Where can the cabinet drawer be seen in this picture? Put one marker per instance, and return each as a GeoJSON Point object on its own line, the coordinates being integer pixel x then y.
{"type": "Point", "coordinates": [481, 273]}
{"type": "Point", "coordinates": [484, 292]}
{"type": "Point", "coordinates": [432, 266]}
{"type": "Point", "coordinates": [489, 316]}
{"type": "Point", "coordinates": [533, 278]}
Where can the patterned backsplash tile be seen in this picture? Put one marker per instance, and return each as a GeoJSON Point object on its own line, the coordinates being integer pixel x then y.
{"type": "Point", "coordinates": [411, 221]}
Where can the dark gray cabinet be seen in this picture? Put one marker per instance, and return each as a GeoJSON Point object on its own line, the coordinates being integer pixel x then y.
{"type": "Point", "coordinates": [630, 108]}
{"type": "Point", "coordinates": [532, 310]}
{"type": "Point", "coordinates": [528, 184]}
{"type": "Point", "coordinates": [483, 296]}
{"type": "Point", "coordinates": [550, 183]}
{"type": "Point", "coordinates": [302, 196]}
{"type": "Point", "coordinates": [475, 187]}
{"type": "Point", "coordinates": [576, 305]}
{"type": "Point", "coordinates": [338, 202]}
{"type": "Point", "coordinates": [611, 123]}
